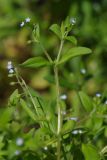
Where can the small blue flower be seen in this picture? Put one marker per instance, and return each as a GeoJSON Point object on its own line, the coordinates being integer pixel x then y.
{"type": "Point", "coordinates": [73, 21]}
{"type": "Point", "coordinates": [17, 152]}
{"type": "Point", "coordinates": [45, 148]}
{"type": "Point", "coordinates": [73, 118]}
{"type": "Point", "coordinates": [27, 20]}
{"type": "Point", "coordinates": [75, 132]}
{"type": "Point", "coordinates": [11, 71]}
{"type": "Point", "coordinates": [63, 97]}
{"type": "Point", "coordinates": [83, 71]}
{"type": "Point", "coordinates": [22, 24]}
{"type": "Point", "coordinates": [19, 141]}
{"type": "Point", "coordinates": [105, 102]}
{"type": "Point", "coordinates": [10, 67]}
{"type": "Point", "coordinates": [98, 95]}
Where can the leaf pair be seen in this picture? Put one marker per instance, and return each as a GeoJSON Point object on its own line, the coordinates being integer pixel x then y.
{"type": "Point", "coordinates": [62, 33]}
{"type": "Point", "coordinates": [40, 61]}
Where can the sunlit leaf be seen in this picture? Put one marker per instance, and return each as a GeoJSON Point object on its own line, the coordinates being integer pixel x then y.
{"type": "Point", "coordinates": [35, 62]}
{"type": "Point", "coordinates": [72, 39]}
{"type": "Point", "coordinates": [27, 109]}
{"type": "Point", "coordinates": [56, 29]}
{"type": "Point", "coordinates": [36, 33]}
{"type": "Point", "coordinates": [74, 52]}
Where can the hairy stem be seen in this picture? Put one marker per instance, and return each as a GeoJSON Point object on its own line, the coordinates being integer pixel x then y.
{"type": "Point", "coordinates": [60, 49]}
{"type": "Point", "coordinates": [57, 100]}
{"type": "Point", "coordinates": [22, 83]}
{"type": "Point", "coordinates": [46, 53]}
{"type": "Point", "coordinates": [30, 96]}
{"type": "Point", "coordinates": [58, 103]}
{"type": "Point", "coordinates": [59, 114]}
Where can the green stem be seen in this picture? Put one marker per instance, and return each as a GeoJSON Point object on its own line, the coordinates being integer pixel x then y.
{"type": "Point", "coordinates": [57, 100]}
{"type": "Point", "coordinates": [60, 49]}
{"type": "Point", "coordinates": [45, 52]}
{"type": "Point", "coordinates": [20, 83]}
{"type": "Point", "coordinates": [59, 114]}
{"type": "Point", "coordinates": [104, 150]}
{"type": "Point", "coordinates": [58, 103]}
{"type": "Point", "coordinates": [30, 96]}
{"type": "Point", "coordinates": [23, 83]}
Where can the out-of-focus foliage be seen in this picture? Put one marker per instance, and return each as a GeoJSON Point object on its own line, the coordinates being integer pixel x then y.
{"type": "Point", "coordinates": [21, 134]}
{"type": "Point", "coordinates": [91, 31]}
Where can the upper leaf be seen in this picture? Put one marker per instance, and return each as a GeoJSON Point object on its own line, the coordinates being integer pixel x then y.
{"type": "Point", "coordinates": [74, 52]}
{"type": "Point", "coordinates": [36, 33]}
{"type": "Point", "coordinates": [56, 29]}
{"type": "Point", "coordinates": [71, 39]}
{"type": "Point", "coordinates": [35, 62]}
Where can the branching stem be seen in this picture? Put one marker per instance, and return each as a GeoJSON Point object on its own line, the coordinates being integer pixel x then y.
{"type": "Point", "coordinates": [58, 103]}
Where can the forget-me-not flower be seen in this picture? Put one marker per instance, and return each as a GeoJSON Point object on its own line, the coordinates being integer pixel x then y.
{"type": "Point", "coordinates": [10, 67]}
{"type": "Point", "coordinates": [27, 20]}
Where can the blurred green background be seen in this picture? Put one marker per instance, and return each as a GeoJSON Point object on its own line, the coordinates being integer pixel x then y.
{"type": "Point", "coordinates": [90, 31]}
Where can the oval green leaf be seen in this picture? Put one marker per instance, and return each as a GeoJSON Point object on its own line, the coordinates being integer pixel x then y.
{"type": "Point", "coordinates": [27, 109]}
{"type": "Point", "coordinates": [36, 33]}
{"type": "Point", "coordinates": [35, 62]}
{"type": "Point", "coordinates": [72, 39]}
{"type": "Point", "coordinates": [56, 29]}
{"type": "Point", "coordinates": [74, 52]}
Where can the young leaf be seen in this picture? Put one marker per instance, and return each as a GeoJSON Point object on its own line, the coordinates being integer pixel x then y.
{"type": "Point", "coordinates": [74, 52]}
{"type": "Point", "coordinates": [14, 98]}
{"type": "Point", "coordinates": [56, 29]}
{"type": "Point", "coordinates": [62, 29]}
{"type": "Point", "coordinates": [67, 22]}
{"type": "Point", "coordinates": [90, 152]}
{"type": "Point", "coordinates": [86, 101]}
{"type": "Point", "coordinates": [35, 62]}
{"type": "Point", "coordinates": [36, 33]}
{"type": "Point", "coordinates": [27, 109]}
{"type": "Point", "coordinates": [72, 39]}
